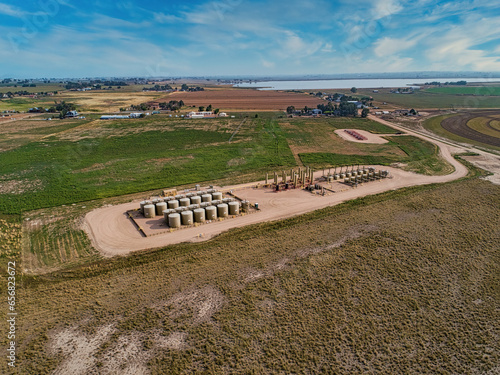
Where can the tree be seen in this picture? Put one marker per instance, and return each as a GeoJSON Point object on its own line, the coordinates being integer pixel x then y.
{"type": "Point", "coordinates": [365, 112]}
{"type": "Point", "coordinates": [290, 109]}
{"type": "Point", "coordinates": [209, 108]}
{"type": "Point", "coordinates": [216, 111]}
{"type": "Point", "coordinates": [354, 90]}
{"type": "Point", "coordinates": [201, 108]}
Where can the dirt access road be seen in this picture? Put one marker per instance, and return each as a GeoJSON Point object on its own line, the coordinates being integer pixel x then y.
{"type": "Point", "coordinates": [112, 233]}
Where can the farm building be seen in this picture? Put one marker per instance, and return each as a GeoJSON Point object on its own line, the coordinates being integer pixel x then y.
{"type": "Point", "coordinates": [200, 115]}
{"type": "Point", "coordinates": [114, 117]}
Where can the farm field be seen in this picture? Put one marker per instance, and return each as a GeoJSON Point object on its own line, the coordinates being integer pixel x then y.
{"type": "Point", "coordinates": [478, 128]}
{"type": "Point", "coordinates": [467, 90]}
{"type": "Point", "coordinates": [397, 275]}
{"type": "Point", "coordinates": [423, 99]}
{"type": "Point", "coordinates": [245, 99]}
{"type": "Point", "coordinates": [95, 159]}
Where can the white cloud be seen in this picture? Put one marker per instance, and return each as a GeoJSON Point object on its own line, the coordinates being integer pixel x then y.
{"type": "Point", "coordinates": [9, 10]}
{"type": "Point", "coordinates": [390, 46]}
{"type": "Point", "coordinates": [384, 8]}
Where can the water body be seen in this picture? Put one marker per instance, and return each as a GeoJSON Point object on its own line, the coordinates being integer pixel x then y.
{"type": "Point", "coordinates": [358, 83]}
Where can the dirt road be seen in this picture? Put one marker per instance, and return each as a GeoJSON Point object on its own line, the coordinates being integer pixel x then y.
{"type": "Point", "coordinates": [112, 233]}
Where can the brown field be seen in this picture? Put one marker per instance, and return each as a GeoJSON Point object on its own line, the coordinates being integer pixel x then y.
{"type": "Point", "coordinates": [244, 99]}
{"type": "Point", "coordinates": [461, 125]}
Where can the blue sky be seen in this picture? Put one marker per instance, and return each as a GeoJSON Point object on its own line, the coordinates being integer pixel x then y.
{"type": "Point", "coordinates": [66, 38]}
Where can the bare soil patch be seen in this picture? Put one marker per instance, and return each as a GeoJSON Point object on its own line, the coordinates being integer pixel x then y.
{"type": "Point", "coordinates": [370, 137]}
{"type": "Point", "coordinates": [458, 125]}
{"type": "Point", "coordinates": [243, 99]}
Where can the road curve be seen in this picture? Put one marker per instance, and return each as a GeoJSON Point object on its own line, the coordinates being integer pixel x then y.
{"type": "Point", "coordinates": [112, 232]}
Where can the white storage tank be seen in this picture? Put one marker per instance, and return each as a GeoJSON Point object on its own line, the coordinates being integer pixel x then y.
{"type": "Point", "coordinates": [196, 199]}
{"type": "Point", "coordinates": [180, 196]}
{"type": "Point", "coordinates": [142, 204]}
{"type": "Point", "coordinates": [174, 220]}
{"type": "Point", "coordinates": [149, 211]}
{"type": "Point", "coordinates": [167, 213]}
{"type": "Point", "coordinates": [199, 215]}
{"type": "Point", "coordinates": [211, 212]}
{"type": "Point", "coordinates": [173, 203]}
{"type": "Point", "coordinates": [234, 208]}
{"type": "Point", "coordinates": [184, 202]}
{"type": "Point", "coordinates": [187, 217]}
{"type": "Point", "coordinates": [206, 198]}
{"type": "Point", "coordinates": [217, 196]}
{"type": "Point", "coordinates": [223, 210]}
{"type": "Point", "coordinates": [160, 207]}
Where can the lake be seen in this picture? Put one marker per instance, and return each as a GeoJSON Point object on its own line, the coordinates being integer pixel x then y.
{"type": "Point", "coordinates": [358, 83]}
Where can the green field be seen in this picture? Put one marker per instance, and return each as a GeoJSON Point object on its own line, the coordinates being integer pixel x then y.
{"type": "Point", "coordinates": [402, 282]}
{"type": "Point", "coordinates": [40, 87]}
{"type": "Point", "coordinates": [104, 159]}
{"type": "Point", "coordinates": [466, 90]}
{"type": "Point", "coordinates": [423, 99]}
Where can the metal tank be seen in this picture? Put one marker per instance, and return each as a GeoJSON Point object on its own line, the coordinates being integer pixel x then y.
{"type": "Point", "coordinates": [211, 212]}
{"type": "Point", "coordinates": [173, 204]}
{"type": "Point", "coordinates": [206, 198]}
{"type": "Point", "coordinates": [234, 208]}
{"type": "Point", "coordinates": [199, 215]}
{"type": "Point", "coordinates": [149, 211]}
{"type": "Point", "coordinates": [223, 210]}
{"type": "Point", "coordinates": [187, 217]}
{"type": "Point", "coordinates": [217, 196]}
{"type": "Point", "coordinates": [174, 220]}
{"type": "Point", "coordinates": [142, 204]}
{"type": "Point", "coordinates": [184, 202]}
{"type": "Point", "coordinates": [245, 205]}
{"type": "Point", "coordinates": [196, 199]}
{"type": "Point", "coordinates": [160, 207]}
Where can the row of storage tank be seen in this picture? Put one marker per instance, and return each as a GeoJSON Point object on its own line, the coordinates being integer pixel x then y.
{"type": "Point", "coordinates": [192, 208]}
{"type": "Point", "coordinates": [361, 173]}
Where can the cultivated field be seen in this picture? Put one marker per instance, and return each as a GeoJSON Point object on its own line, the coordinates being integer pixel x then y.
{"type": "Point", "coordinates": [245, 99]}
{"type": "Point", "coordinates": [478, 127]}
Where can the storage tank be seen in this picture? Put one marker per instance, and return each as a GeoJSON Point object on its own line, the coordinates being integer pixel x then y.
{"type": "Point", "coordinates": [217, 196]}
{"type": "Point", "coordinates": [196, 199]}
{"type": "Point", "coordinates": [180, 209]}
{"type": "Point", "coordinates": [205, 204]}
{"type": "Point", "coordinates": [211, 212]}
{"type": "Point", "coordinates": [336, 177]}
{"type": "Point", "coordinates": [167, 199]}
{"type": "Point", "coordinates": [226, 200]}
{"type": "Point", "coordinates": [234, 208]}
{"type": "Point", "coordinates": [245, 205]}
{"type": "Point", "coordinates": [155, 201]}
{"type": "Point", "coordinates": [206, 198]}
{"type": "Point", "coordinates": [187, 217]}
{"type": "Point", "coordinates": [184, 202]}
{"type": "Point", "coordinates": [197, 187]}
{"type": "Point", "coordinates": [199, 215]}
{"type": "Point", "coordinates": [142, 204]}
{"type": "Point", "coordinates": [167, 213]}
{"type": "Point", "coordinates": [180, 196]}
{"type": "Point", "coordinates": [223, 210]}
{"type": "Point", "coordinates": [174, 220]}
{"type": "Point", "coordinates": [149, 211]}
{"type": "Point", "coordinates": [189, 195]}
{"type": "Point", "coordinates": [173, 203]}
{"type": "Point", "coordinates": [216, 203]}
{"type": "Point", "coordinates": [160, 207]}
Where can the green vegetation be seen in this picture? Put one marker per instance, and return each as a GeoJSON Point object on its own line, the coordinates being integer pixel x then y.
{"type": "Point", "coordinates": [387, 283]}
{"type": "Point", "coordinates": [68, 171]}
{"type": "Point", "coordinates": [422, 99]}
{"type": "Point", "coordinates": [467, 90]}
{"type": "Point", "coordinates": [480, 124]}
{"type": "Point", "coordinates": [421, 157]}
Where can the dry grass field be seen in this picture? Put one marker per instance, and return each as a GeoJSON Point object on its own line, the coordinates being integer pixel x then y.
{"type": "Point", "coordinates": [403, 282]}
{"type": "Point", "coordinates": [245, 99]}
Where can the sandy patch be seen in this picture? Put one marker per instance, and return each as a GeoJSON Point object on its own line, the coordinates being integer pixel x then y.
{"type": "Point", "coordinates": [20, 186]}
{"type": "Point", "coordinates": [488, 162]}
{"type": "Point", "coordinates": [370, 137]}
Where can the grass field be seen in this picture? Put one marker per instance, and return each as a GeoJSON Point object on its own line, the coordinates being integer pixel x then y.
{"type": "Point", "coordinates": [107, 159]}
{"type": "Point", "coordinates": [423, 99]}
{"type": "Point", "coordinates": [481, 124]}
{"type": "Point", "coordinates": [73, 163]}
{"type": "Point", "coordinates": [467, 90]}
{"type": "Point", "coordinates": [401, 282]}
{"type": "Point", "coordinates": [40, 87]}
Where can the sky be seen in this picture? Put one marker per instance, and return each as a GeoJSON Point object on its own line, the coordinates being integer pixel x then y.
{"type": "Point", "coordinates": [66, 38]}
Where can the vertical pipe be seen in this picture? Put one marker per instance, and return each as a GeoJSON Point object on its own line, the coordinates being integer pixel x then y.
{"type": "Point", "coordinates": [267, 178]}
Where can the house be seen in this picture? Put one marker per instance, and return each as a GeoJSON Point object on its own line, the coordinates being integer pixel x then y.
{"type": "Point", "coordinates": [114, 117]}
{"type": "Point", "coordinates": [359, 105]}
{"type": "Point", "coordinates": [222, 114]}
{"type": "Point", "coordinates": [71, 114]}
{"type": "Point", "coordinates": [135, 115]}
{"type": "Point", "coordinates": [316, 112]}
